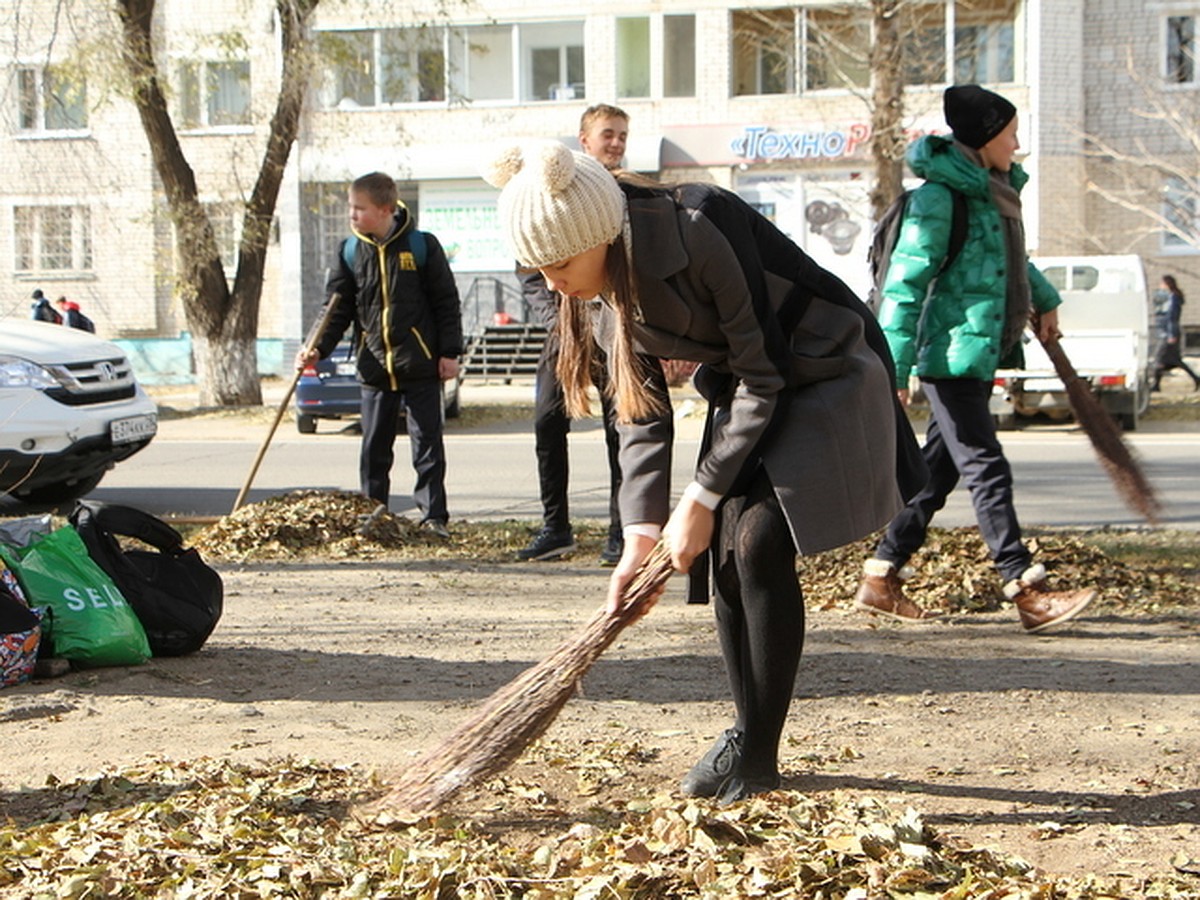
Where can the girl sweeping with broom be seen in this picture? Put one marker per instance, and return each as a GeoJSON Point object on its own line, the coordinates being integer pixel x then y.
{"type": "Point", "coordinates": [805, 448]}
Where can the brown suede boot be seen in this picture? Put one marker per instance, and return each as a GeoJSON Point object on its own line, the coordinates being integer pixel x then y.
{"type": "Point", "coordinates": [881, 593]}
{"type": "Point", "coordinates": [1042, 609]}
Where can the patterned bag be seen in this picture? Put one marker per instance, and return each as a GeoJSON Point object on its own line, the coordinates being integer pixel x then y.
{"type": "Point", "coordinates": [20, 632]}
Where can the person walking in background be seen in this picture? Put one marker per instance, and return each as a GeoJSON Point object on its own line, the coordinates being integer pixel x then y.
{"type": "Point", "coordinates": [73, 316]}
{"type": "Point", "coordinates": [955, 328]}
{"type": "Point", "coordinates": [603, 132]}
{"type": "Point", "coordinates": [42, 311]}
{"type": "Point", "coordinates": [395, 285]}
{"type": "Point", "coordinates": [1168, 354]}
{"type": "Point", "coordinates": [801, 450]}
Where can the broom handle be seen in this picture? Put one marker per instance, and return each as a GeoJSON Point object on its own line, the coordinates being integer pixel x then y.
{"type": "Point", "coordinates": [310, 343]}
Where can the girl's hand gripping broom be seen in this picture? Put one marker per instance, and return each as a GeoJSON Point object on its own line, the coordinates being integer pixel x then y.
{"type": "Point", "coordinates": [518, 713]}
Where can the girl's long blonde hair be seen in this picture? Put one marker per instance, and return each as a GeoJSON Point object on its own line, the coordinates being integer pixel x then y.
{"type": "Point", "coordinates": [628, 382]}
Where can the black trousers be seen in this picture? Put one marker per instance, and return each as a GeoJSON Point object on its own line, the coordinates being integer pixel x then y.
{"type": "Point", "coordinates": [961, 442]}
{"type": "Point", "coordinates": [760, 618]}
{"type": "Point", "coordinates": [551, 425]}
{"type": "Point", "coordinates": [422, 402]}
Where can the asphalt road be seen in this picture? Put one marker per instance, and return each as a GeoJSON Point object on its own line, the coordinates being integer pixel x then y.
{"type": "Point", "coordinates": [197, 467]}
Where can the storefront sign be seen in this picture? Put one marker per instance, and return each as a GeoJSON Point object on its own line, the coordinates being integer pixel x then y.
{"type": "Point", "coordinates": [762, 142]}
{"type": "Point", "coordinates": [732, 145]}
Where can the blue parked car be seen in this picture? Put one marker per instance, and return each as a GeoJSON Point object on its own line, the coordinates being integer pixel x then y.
{"type": "Point", "coordinates": [330, 390]}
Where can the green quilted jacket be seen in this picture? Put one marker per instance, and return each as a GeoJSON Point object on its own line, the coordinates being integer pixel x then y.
{"type": "Point", "coordinates": [956, 332]}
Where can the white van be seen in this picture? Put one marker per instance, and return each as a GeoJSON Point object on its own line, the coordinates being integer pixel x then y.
{"type": "Point", "coordinates": [1105, 322]}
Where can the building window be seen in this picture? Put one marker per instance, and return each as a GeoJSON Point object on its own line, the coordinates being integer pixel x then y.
{"type": "Point", "coordinates": [51, 99]}
{"type": "Point", "coordinates": [836, 40]}
{"type": "Point", "coordinates": [633, 57]}
{"type": "Point", "coordinates": [679, 56]}
{"type": "Point", "coordinates": [350, 72]}
{"type": "Point", "coordinates": [1180, 209]}
{"type": "Point", "coordinates": [638, 39]}
{"type": "Point", "coordinates": [481, 63]}
{"type": "Point", "coordinates": [52, 239]}
{"type": "Point", "coordinates": [924, 28]}
{"type": "Point", "coordinates": [433, 65]}
{"type": "Point", "coordinates": [984, 40]}
{"type": "Point", "coordinates": [413, 65]}
{"type": "Point", "coordinates": [837, 48]}
{"type": "Point", "coordinates": [552, 61]}
{"type": "Point", "coordinates": [764, 55]}
{"type": "Point", "coordinates": [214, 94]}
{"type": "Point", "coordinates": [1181, 50]}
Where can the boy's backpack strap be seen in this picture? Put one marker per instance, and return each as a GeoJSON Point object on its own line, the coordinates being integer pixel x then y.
{"type": "Point", "coordinates": [958, 228]}
{"type": "Point", "coordinates": [349, 249]}
{"type": "Point", "coordinates": [418, 246]}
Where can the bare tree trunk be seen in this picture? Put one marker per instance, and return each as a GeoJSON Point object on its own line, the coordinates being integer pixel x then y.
{"type": "Point", "coordinates": [224, 323]}
{"type": "Point", "coordinates": [887, 108]}
{"type": "Point", "coordinates": [285, 124]}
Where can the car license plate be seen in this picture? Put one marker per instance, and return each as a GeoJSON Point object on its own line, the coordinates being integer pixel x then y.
{"type": "Point", "coordinates": [134, 428]}
{"type": "Point", "coordinates": [1043, 384]}
{"type": "Point", "coordinates": [346, 368]}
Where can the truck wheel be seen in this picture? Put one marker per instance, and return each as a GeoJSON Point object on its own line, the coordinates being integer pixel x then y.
{"type": "Point", "coordinates": [1128, 421]}
{"type": "Point", "coordinates": [1005, 421]}
{"type": "Point", "coordinates": [306, 424]}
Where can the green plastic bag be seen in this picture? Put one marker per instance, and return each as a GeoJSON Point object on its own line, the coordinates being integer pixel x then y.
{"type": "Point", "coordinates": [89, 621]}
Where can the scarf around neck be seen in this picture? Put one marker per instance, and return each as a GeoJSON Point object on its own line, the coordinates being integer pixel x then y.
{"type": "Point", "coordinates": [1018, 302]}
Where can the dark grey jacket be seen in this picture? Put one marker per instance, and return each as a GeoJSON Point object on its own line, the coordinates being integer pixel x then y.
{"type": "Point", "coordinates": [811, 400]}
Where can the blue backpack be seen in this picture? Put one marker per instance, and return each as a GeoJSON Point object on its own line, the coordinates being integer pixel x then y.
{"type": "Point", "coordinates": [416, 244]}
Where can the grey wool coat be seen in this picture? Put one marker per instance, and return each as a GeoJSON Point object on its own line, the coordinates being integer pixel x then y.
{"type": "Point", "coordinates": [793, 384]}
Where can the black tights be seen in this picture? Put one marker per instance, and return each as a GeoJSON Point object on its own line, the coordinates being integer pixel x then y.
{"type": "Point", "coordinates": [760, 618]}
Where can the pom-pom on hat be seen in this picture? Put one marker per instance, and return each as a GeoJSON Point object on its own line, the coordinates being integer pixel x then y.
{"type": "Point", "coordinates": [975, 114]}
{"type": "Point", "coordinates": [554, 203]}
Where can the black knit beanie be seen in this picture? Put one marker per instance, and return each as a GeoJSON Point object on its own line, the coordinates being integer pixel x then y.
{"type": "Point", "coordinates": [975, 114]}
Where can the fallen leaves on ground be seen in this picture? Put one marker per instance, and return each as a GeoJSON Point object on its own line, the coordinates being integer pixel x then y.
{"type": "Point", "coordinates": [954, 573]}
{"type": "Point", "coordinates": [217, 829]}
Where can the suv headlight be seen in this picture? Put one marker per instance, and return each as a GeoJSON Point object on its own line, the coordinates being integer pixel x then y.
{"type": "Point", "coordinates": [21, 373]}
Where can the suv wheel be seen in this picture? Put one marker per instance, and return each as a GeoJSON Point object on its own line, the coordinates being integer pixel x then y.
{"type": "Point", "coordinates": [306, 424]}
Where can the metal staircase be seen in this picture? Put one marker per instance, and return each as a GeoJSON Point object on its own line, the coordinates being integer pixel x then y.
{"type": "Point", "coordinates": [504, 352]}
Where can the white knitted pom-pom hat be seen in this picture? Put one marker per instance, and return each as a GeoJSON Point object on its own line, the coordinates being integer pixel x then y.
{"type": "Point", "coordinates": [554, 203]}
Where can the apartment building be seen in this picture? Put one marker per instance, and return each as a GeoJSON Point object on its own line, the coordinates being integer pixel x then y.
{"type": "Point", "coordinates": [771, 101]}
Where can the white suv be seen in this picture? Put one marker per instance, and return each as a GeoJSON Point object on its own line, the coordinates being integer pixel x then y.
{"type": "Point", "coordinates": [70, 408]}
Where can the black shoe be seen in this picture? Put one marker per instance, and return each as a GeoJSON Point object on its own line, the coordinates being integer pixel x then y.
{"type": "Point", "coordinates": [435, 528]}
{"type": "Point", "coordinates": [739, 788]}
{"type": "Point", "coordinates": [716, 767]}
{"type": "Point", "coordinates": [613, 549]}
{"type": "Point", "coordinates": [548, 544]}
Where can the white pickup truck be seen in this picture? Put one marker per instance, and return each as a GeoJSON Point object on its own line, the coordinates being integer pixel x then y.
{"type": "Point", "coordinates": [1104, 319]}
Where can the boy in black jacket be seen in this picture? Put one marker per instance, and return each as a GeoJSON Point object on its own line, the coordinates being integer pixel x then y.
{"type": "Point", "coordinates": [409, 318]}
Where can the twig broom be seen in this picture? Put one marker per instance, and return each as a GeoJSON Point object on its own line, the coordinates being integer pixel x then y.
{"type": "Point", "coordinates": [518, 713]}
{"type": "Point", "coordinates": [1115, 456]}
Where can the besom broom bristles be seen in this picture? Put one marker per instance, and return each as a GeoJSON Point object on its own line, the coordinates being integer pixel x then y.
{"type": "Point", "coordinates": [518, 713]}
{"type": "Point", "coordinates": [1115, 456]}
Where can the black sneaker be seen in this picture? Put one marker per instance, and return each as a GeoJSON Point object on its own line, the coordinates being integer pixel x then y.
{"type": "Point", "coordinates": [713, 772]}
{"type": "Point", "coordinates": [548, 544]}
{"type": "Point", "coordinates": [613, 550]}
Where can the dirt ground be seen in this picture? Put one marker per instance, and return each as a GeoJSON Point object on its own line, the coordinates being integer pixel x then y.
{"type": "Point", "coordinates": [1076, 751]}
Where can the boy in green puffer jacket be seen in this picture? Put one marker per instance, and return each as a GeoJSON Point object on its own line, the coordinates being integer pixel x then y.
{"type": "Point", "coordinates": [954, 329]}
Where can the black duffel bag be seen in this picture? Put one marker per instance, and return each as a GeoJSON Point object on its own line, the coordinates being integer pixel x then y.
{"type": "Point", "coordinates": [176, 595]}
